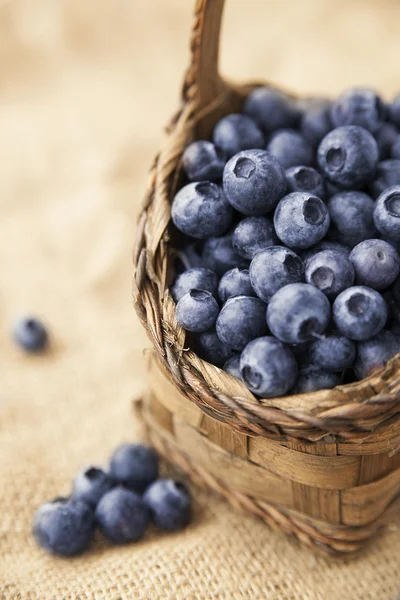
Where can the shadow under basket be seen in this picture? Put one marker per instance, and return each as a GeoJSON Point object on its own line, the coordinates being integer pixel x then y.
{"type": "Point", "coordinates": [323, 466]}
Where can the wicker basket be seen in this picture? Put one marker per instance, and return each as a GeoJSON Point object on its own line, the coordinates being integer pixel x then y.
{"type": "Point", "coordinates": [321, 466]}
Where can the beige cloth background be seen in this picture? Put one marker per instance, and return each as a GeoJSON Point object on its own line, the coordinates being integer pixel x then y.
{"type": "Point", "coordinates": [85, 88]}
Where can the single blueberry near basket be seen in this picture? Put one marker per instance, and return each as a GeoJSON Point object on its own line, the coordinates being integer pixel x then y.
{"type": "Point", "coordinates": [298, 313]}
{"type": "Point", "coordinates": [64, 526]}
{"type": "Point", "coordinates": [197, 311]}
{"type": "Point", "coordinates": [220, 256]}
{"type": "Point", "coordinates": [334, 352]}
{"type": "Point", "coordinates": [271, 109]}
{"type": "Point", "coordinates": [202, 161]}
{"type": "Point", "coordinates": [305, 179]}
{"type": "Point", "coordinates": [31, 334]}
{"type": "Point", "coordinates": [387, 213]}
{"type": "Point", "coordinates": [301, 220]}
{"type": "Point", "coordinates": [241, 320]}
{"type": "Point", "coordinates": [312, 378]}
{"type": "Point", "coordinates": [236, 132]}
{"type": "Point", "coordinates": [135, 466]}
{"type": "Point", "coordinates": [272, 268]}
{"type": "Point", "coordinates": [359, 106]}
{"type": "Point", "coordinates": [268, 367]}
{"type": "Point", "coordinates": [235, 282]}
{"type": "Point", "coordinates": [254, 182]}
{"type": "Point", "coordinates": [376, 264]}
{"type": "Point", "coordinates": [91, 484]}
{"type": "Point", "coordinates": [169, 502]}
{"type": "Point", "coordinates": [232, 366]}
{"type": "Point", "coordinates": [330, 272]}
{"type": "Point", "coordinates": [201, 210]}
{"type": "Point", "coordinates": [196, 278]}
{"type": "Point", "coordinates": [122, 516]}
{"type": "Point", "coordinates": [352, 219]}
{"type": "Point", "coordinates": [359, 312]}
{"type": "Point", "coordinates": [387, 174]}
{"type": "Point", "coordinates": [253, 234]}
{"type": "Point", "coordinates": [210, 348]}
{"type": "Point", "coordinates": [290, 148]}
{"type": "Point", "coordinates": [348, 156]}
{"type": "Point", "coordinates": [372, 354]}
{"type": "Point", "coordinates": [316, 121]}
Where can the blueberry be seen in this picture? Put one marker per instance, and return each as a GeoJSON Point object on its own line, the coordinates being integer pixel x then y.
{"type": "Point", "coordinates": [359, 106]}
{"type": "Point", "coordinates": [271, 109]}
{"type": "Point", "coordinates": [376, 264]}
{"type": "Point", "coordinates": [202, 161]}
{"type": "Point", "coordinates": [387, 175]}
{"type": "Point", "coordinates": [359, 312]}
{"type": "Point", "coordinates": [201, 210]}
{"type": "Point", "coordinates": [91, 484]}
{"type": "Point", "coordinates": [272, 268]}
{"type": "Point", "coordinates": [334, 352]}
{"type": "Point", "coordinates": [387, 213]}
{"type": "Point", "coordinates": [305, 179]}
{"type": "Point", "coordinates": [220, 256]}
{"type": "Point", "coordinates": [268, 367]}
{"type": "Point", "coordinates": [122, 516]}
{"type": "Point", "coordinates": [235, 282]}
{"type": "Point", "coordinates": [385, 137]}
{"type": "Point", "coordinates": [374, 353]}
{"type": "Point", "coordinates": [311, 379]}
{"type": "Point", "coordinates": [197, 278]}
{"type": "Point", "coordinates": [190, 256]}
{"type": "Point", "coordinates": [64, 526]}
{"type": "Point", "coordinates": [31, 334]}
{"type": "Point", "coordinates": [254, 182]}
{"type": "Point", "coordinates": [301, 220]}
{"type": "Point", "coordinates": [316, 121]}
{"type": "Point", "coordinates": [298, 313]}
{"type": "Point", "coordinates": [331, 188]}
{"type": "Point", "coordinates": [134, 465]}
{"type": "Point", "coordinates": [325, 245]}
{"type": "Point", "coordinates": [352, 219]}
{"type": "Point", "coordinates": [169, 503]}
{"type": "Point", "coordinates": [348, 156]}
{"type": "Point", "coordinates": [210, 348]}
{"type": "Point", "coordinates": [241, 320]}
{"type": "Point", "coordinates": [395, 149]}
{"type": "Point", "coordinates": [197, 311]}
{"type": "Point", "coordinates": [253, 234]}
{"type": "Point", "coordinates": [232, 366]}
{"type": "Point", "coordinates": [290, 148]}
{"type": "Point", "coordinates": [394, 111]}
{"type": "Point", "coordinates": [330, 272]}
{"type": "Point", "coordinates": [235, 133]}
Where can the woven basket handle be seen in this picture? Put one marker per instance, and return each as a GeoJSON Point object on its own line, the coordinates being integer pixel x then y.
{"type": "Point", "coordinates": [202, 78]}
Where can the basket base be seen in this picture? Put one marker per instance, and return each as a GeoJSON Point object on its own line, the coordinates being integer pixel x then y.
{"type": "Point", "coordinates": [336, 540]}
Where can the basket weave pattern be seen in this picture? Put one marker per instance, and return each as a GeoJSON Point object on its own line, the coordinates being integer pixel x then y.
{"type": "Point", "coordinates": [323, 466]}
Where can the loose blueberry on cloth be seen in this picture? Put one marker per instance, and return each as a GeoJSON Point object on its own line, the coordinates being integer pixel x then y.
{"type": "Point", "coordinates": [31, 334]}
{"type": "Point", "coordinates": [294, 211]}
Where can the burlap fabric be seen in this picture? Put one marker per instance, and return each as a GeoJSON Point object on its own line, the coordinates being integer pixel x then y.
{"type": "Point", "coordinates": [85, 88]}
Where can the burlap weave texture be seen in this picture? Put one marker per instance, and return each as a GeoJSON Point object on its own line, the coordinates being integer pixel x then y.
{"type": "Point", "coordinates": [85, 88]}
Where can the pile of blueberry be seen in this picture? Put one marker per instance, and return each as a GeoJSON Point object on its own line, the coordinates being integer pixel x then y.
{"type": "Point", "coordinates": [289, 274]}
{"type": "Point", "coordinates": [120, 502]}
